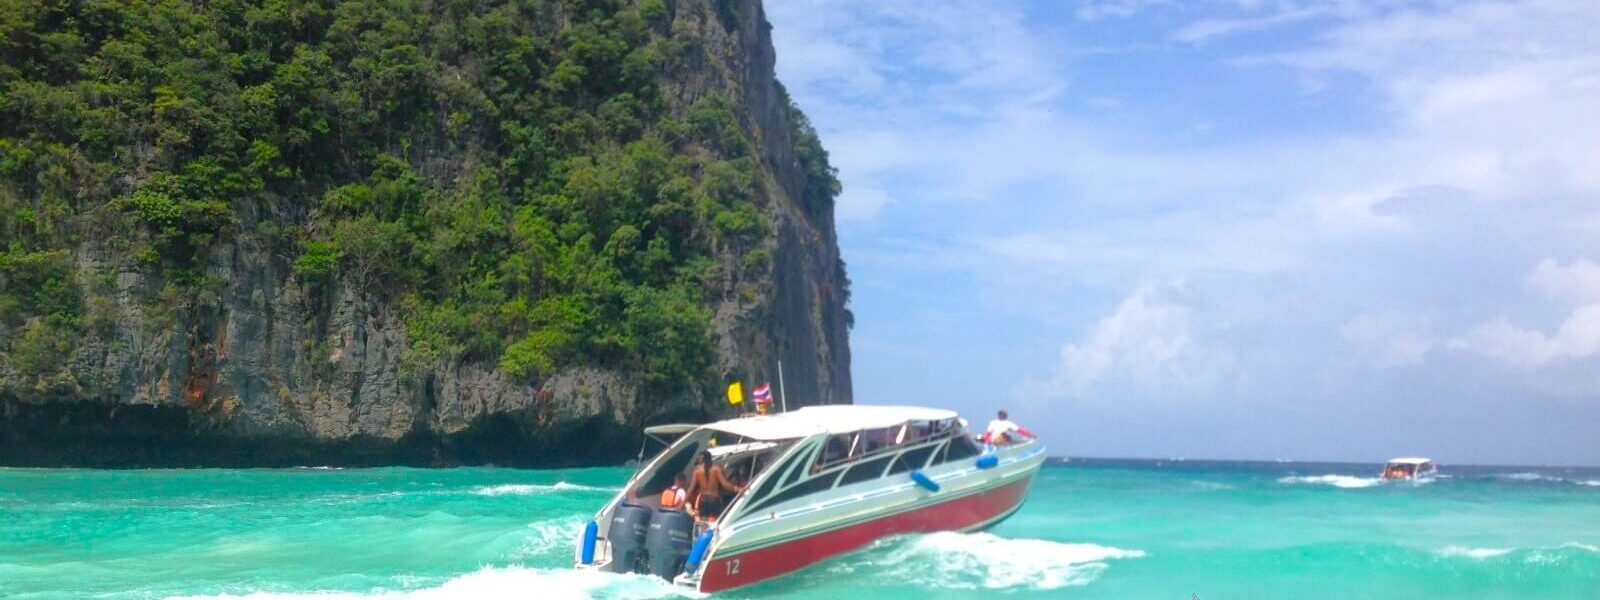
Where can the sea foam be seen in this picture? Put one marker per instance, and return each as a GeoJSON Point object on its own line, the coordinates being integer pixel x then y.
{"type": "Point", "coordinates": [1545, 556]}
{"type": "Point", "coordinates": [1541, 477]}
{"type": "Point", "coordinates": [1529, 477]}
{"type": "Point", "coordinates": [1478, 553]}
{"type": "Point", "coordinates": [530, 489]}
{"type": "Point", "coordinates": [952, 560]}
{"type": "Point", "coordinates": [491, 583]}
{"type": "Point", "coordinates": [545, 538]}
{"type": "Point", "coordinates": [1341, 481]}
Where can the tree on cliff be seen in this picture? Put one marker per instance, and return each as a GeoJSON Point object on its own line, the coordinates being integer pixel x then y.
{"type": "Point", "coordinates": [507, 174]}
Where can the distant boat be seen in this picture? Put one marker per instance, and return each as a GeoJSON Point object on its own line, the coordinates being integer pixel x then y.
{"type": "Point", "coordinates": [1410, 468]}
{"type": "Point", "coordinates": [824, 480]}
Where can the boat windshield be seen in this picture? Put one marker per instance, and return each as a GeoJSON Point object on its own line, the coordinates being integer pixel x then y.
{"type": "Point", "coordinates": [844, 459]}
{"type": "Point", "coordinates": [803, 465]}
{"type": "Point", "coordinates": [742, 460]}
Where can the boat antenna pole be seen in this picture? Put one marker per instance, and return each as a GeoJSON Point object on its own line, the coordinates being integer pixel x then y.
{"type": "Point", "coordinates": [783, 399]}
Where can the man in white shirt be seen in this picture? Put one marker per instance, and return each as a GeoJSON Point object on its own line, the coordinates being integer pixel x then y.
{"type": "Point", "coordinates": [1000, 430]}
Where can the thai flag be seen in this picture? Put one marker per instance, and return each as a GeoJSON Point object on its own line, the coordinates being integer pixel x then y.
{"type": "Point", "coordinates": [763, 393]}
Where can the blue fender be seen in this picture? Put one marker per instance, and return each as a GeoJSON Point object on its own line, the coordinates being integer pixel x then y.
{"type": "Point", "coordinates": [698, 551]}
{"type": "Point", "coordinates": [988, 461]}
{"type": "Point", "coordinates": [924, 481]}
{"type": "Point", "coordinates": [589, 532]}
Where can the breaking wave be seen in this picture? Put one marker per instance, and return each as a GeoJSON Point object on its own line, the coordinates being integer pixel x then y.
{"type": "Point", "coordinates": [1478, 553]}
{"type": "Point", "coordinates": [1528, 477]}
{"type": "Point", "coordinates": [1543, 478]}
{"type": "Point", "coordinates": [519, 583]}
{"type": "Point", "coordinates": [545, 538]}
{"type": "Point", "coordinates": [1534, 556]}
{"type": "Point", "coordinates": [530, 489]}
{"type": "Point", "coordinates": [970, 561]}
{"type": "Point", "coordinates": [1340, 481]}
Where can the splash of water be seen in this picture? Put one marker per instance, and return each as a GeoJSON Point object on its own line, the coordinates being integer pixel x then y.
{"type": "Point", "coordinates": [508, 583]}
{"type": "Point", "coordinates": [530, 489]}
{"type": "Point", "coordinates": [986, 561]}
{"type": "Point", "coordinates": [1339, 481]}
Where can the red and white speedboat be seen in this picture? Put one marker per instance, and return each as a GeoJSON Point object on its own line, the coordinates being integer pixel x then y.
{"type": "Point", "coordinates": [824, 480]}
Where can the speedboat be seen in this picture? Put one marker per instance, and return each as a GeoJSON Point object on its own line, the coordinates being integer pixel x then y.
{"type": "Point", "coordinates": [822, 481]}
{"type": "Point", "coordinates": [1409, 468]}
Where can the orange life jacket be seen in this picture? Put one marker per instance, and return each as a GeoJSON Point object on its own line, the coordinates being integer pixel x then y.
{"type": "Point", "coordinates": [669, 498]}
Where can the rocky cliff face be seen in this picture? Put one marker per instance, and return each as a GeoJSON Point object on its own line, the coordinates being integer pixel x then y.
{"type": "Point", "coordinates": [257, 365]}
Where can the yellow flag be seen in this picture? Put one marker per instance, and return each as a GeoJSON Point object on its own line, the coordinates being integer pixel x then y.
{"type": "Point", "coordinates": [735, 393]}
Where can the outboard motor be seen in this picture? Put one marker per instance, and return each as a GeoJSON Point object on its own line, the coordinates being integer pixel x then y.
{"type": "Point", "coordinates": [668, 542]}
{"type": "Point", "coordinates": [629, 525]}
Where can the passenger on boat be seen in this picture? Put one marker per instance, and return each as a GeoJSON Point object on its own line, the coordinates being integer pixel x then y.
{"type": "Point", "coordinates": [710, 488]}
{"type": "Point", "coordinates": [675, 496]}
{"type": "Point", "coordinates": [1001, 429]}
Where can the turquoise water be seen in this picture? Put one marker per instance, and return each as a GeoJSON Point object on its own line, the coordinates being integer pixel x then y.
{"type": "Point", "coordinates": [1090, 529]}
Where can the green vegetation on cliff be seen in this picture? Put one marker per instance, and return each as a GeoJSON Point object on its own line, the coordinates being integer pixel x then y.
{"type": "Point", "coordinates": [508, 174]}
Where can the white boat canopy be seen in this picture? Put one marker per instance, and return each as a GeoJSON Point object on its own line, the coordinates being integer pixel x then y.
{"type": "Point", "coordinates": [666, 433]}
{"type": "Point", "coordinates": [721, 451]}
{"type": "Point", "coordinates": [833, 418]}
{"type": "Point", "coordinates": [1409, 460]}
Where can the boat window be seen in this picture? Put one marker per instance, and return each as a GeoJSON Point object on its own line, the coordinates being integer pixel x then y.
{"type": "Point", "coordinates": [916, 431]}
{"type": "Point", "coordinates": [798, 470]}
{"type": "Point", "coordinates": [874, 441]}
{"type": "Point", "coordinates": [671, 467]}
{"type": "Point", "coordinates": [810, 486]}
{"type": "Point", "coordinates": [957, 448]}
{"type": "Point", "coordinates": [961, 447]}
{"type": "Point", "coordinates": [836, 450]}
{"type": "Point", "coordinates": [744, 469]}
{"type": "Point", "coordinates": [772, 482]}
{"type": "Point", "coordinates": [857, 446]}
{"type": "Point", "coordinates": [915, 458]}
{"type": "Point", "coordinates": [867, 470]}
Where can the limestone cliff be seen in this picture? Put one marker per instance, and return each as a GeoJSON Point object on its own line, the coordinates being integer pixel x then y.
{"type": "Point", "coordinates": [260, 351]}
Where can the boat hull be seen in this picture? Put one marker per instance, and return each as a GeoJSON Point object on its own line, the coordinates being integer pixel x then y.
{"type": "Point", "coordinates": [966, 510]}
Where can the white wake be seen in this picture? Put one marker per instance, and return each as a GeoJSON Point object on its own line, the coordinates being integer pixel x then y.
{"type": "Point", "coordinates": [509, 583]}
{"type": "Point", "coordinates": [951, 560]}
{"type": "Point", "coordinates": [530, 489]}
{"type": "Point", "coordinates": [1478, 553]}
{"type": "Point", "coordinates": [1340, 481]}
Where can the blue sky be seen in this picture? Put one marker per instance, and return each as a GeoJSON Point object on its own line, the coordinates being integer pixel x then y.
{"type": "Point", "coordinates": [1241, 229]}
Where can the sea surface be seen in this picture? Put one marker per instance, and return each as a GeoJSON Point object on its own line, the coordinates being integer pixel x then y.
{"type": "Point", "coordinates": [1090, 529]}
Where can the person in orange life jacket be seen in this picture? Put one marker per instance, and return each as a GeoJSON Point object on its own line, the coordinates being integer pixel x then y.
{"type": "Point", "coordinates": [675, 496]}
{"type": "Point", "coordinates": [1001, 429]}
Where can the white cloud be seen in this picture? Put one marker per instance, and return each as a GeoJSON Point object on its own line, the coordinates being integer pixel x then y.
{"type": "Point", "coordinates": [901, 83]}
{"type": "Point", "coordinates": [1389, 338]}
{"type": "Point", "coordinates": [861, 202]}
{"type": "Point", "coordinates": [1094, 10]}
{"type": "Point", "coordinates": [1458, 146]}
{"type": "Point", "coordinates": [1150, 341]}
{"type": "Point", "coordinates": [1205, 30]}
{"type": "Point", "coordinates": [1578, 337]}
{"type": "Point", "coordinates": [1578, 282]}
